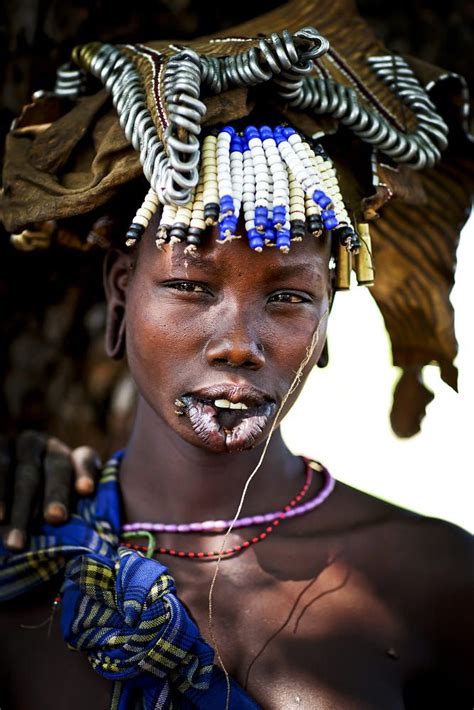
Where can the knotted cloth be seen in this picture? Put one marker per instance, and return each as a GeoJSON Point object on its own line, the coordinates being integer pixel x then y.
{"type": "Point", "coordinates": [122, 610]}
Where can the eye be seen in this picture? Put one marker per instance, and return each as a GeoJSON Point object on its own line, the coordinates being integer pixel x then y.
{"type": "Point", "coordinates": [187, 286]}
{"type": "Point", "coordinates": [289, 297]}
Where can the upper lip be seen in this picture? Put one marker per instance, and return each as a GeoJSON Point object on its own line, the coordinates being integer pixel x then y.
{"type": "Point", "coordinates": [249, 395]}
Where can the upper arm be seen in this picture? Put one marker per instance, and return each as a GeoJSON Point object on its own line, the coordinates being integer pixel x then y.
{"type": "Point", "coordinates": [452, 563]}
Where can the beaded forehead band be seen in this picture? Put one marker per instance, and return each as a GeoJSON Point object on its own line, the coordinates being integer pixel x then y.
{"type": "Point", "coordinates": [281, 184]}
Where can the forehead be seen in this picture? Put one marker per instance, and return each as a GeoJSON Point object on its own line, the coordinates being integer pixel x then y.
{"type": "Point", "coordinates": [306, 259]}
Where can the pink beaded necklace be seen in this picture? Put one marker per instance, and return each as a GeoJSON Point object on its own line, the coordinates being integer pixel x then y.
{"type": "Point", "coordinates": [147, 530]}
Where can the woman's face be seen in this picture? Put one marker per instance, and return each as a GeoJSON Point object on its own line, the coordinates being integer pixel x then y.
{"type": "Point", "coordinates": [214, 339]}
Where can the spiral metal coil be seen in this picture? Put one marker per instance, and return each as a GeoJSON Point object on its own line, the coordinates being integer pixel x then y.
{"type": "Point", "coordinates": [181, 89]}
{"type": "Point", "coordinates": [272, 58]}
{"type": "Point", "coordinates": [70, 81]}
{"type": "Point", "coordinates": [418, 150]}
{"type": "Point", "coordinates": [120, 77]}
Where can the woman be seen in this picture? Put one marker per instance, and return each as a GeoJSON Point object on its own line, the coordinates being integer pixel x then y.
{"type": "Point", "coordinates": [219, 340]}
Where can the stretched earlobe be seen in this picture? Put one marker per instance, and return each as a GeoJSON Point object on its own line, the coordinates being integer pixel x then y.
{"type": "Point", "coordinates": [324, 357]}
{"type": "Point", "coordinates": [115, 332]}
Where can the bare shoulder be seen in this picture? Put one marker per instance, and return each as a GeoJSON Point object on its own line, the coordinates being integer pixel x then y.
{"type": "Point", "coordinates": [441, 551]}
{"type": "Point", "coordinates": [425, 565]}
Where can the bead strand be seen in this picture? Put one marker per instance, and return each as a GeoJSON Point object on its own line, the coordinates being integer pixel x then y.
{"type": "Point", "coordinates": [211, 190]}
{"type": "Point", "coordinates": [270, 234]}
{"type": "Point", "coordinates": [281, 196]}
{"type": "Point", "coordinates": [297, 210]}
{"type": "Point", "coordinates": [142, 218]}
{"type": "Point", "coordinates": [292, 509]}
{"type": "Point", "coordinates": [168, 216]}
{"type": "Point", "coordinates": [197, 224]}
{"type": "Point", "coordinates": [261, 178]}
{"type": "Point", "coordinates": [237, 177]}
{"type": "Point", "coordinates": [205, 556]}
{"type": "Point", "coordinates": [248, 200]}
{"type": "Point", "coordinates": [182, 221]}
{"type": "Point", "coordinates": [224, 183]}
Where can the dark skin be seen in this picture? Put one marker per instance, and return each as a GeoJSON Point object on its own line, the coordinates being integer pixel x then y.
{"type": "Point", "coordinates": [358, 605]}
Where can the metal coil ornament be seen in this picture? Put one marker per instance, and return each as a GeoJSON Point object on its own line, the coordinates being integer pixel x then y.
{"type": "Point", "coordinates": [182, 87]}
{"type": "Point", "coordinates": [284, 61]}
{"type": "Point", "coordinates": [418, 150]}
{"type": "Point", "coordinates": [71, 81]}
{"type": "Point", "coordinates": [272, 57]}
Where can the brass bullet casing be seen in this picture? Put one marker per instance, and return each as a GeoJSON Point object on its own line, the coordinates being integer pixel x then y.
{"type": "Point", "coordinates": [343, 268]}
{"type": "Point", "coordinates": [364, 266]}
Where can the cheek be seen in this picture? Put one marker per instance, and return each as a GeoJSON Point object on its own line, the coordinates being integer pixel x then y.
{"type": "Point", "coordinates": [289, 338]}
{"type": "Point", "coordinates": [163, 339]}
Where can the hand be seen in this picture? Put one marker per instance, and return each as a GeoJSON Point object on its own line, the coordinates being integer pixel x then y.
{"type": "Point", "coordinates": [44, 470]}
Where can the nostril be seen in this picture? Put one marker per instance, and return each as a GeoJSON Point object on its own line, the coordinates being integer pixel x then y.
{"type": "Point", "coordinates": [220, 361]}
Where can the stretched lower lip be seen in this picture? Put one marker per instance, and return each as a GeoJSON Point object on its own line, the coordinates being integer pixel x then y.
{"type": "Point", "coordinates": [227, 430]}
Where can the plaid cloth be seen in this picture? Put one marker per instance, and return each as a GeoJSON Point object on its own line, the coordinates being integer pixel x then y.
{"type": "Point", "coordinates": [121, 609]}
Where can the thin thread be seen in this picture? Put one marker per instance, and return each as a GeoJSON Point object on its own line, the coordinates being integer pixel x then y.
{"type": "Point", "coordinates": [299, 373]}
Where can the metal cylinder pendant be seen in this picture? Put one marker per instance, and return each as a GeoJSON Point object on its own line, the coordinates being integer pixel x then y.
{"type": "Point", "coordinates": [343, 268]}
{"type": "Point", "coordinates": [364, 266]}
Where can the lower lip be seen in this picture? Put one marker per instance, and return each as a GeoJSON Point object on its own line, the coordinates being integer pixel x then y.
{"type": "Point", "coordinates": [245, 432]}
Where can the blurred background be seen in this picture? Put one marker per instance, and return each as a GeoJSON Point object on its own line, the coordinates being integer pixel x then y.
{"type": "Point", "coordinates": [52, 363]}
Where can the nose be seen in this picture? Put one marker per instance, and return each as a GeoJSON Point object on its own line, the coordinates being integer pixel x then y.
{"type": "Point", "coordinates": [236, 347]}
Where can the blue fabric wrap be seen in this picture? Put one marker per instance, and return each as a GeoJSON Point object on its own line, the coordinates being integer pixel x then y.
{"type": "Point", "coordinates": [122, 610]}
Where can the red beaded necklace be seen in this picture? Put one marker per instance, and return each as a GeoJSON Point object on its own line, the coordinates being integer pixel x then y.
{"type": "Point", "coordinates": [152, 548]}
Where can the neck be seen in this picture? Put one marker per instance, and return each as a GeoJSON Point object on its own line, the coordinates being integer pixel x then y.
{"type": "Point", "coordinates": [165, 479]}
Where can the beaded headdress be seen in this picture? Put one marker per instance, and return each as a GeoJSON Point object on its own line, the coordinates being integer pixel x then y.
{"type": "Point", "coordinates": [351, 133]}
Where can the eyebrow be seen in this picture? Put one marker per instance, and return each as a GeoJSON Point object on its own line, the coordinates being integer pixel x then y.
{"type": "Point", "coordinates": [300, 269]}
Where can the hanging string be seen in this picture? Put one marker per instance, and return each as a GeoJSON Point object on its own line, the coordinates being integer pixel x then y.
{"type": "Point", "coordinates": [296, 380]}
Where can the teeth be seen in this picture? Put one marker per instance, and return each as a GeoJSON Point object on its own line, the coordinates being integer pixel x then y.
{"type": "Point", "coordinates": [222, 403]}
{"type": "Point", "coordinates": [225, 404]}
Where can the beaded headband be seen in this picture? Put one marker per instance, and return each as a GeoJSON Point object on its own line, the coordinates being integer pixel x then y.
{"type": "Point", "coordinates": [282, 185]}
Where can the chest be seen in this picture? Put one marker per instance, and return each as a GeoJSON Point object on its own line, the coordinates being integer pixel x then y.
{"type": "Point", "coordinates": [325, 641]}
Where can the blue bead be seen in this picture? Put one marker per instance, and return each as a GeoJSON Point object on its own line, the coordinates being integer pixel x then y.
{"type": "Point", "coordinates": [229, 130]}
{"type": "Point", "coordinates": [269, 234]}
{"type": "Point", "coordinates": [236, 144]}
{"type": "Point", "coordinates": [325, 214]}
{"type": "Point", "coordinates": [283, 239]}
{"type": "Point", "coordinates": [255, 240]}
{"type": "Point", "coordinates": [226, 203]}
{"type": "Point", "coordinates": [288, 131]}
{"type": "Point", "coordinates": [321, 198]}
{"type": "Point", "coordinates": [330, 223]}
{"type": "Point", "coordinates": [266, 132]}
{"type": "Point", "coordinates": [261, 216]}
{"type": "Point", "coordinates": [229, 222]}
{"type": "Point", "coordinates": [251, 132]}
{"type": "Point", "coordinates": [278, 136]}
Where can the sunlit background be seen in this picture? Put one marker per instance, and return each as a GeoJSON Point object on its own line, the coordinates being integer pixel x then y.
{"type": "Point", "coordinates": [342, 416]}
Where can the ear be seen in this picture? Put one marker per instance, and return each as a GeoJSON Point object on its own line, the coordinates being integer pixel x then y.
{"type": "Point", "coordinates": [324, 357]}
{"type": "Point", "coordinates": [116, 276]}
